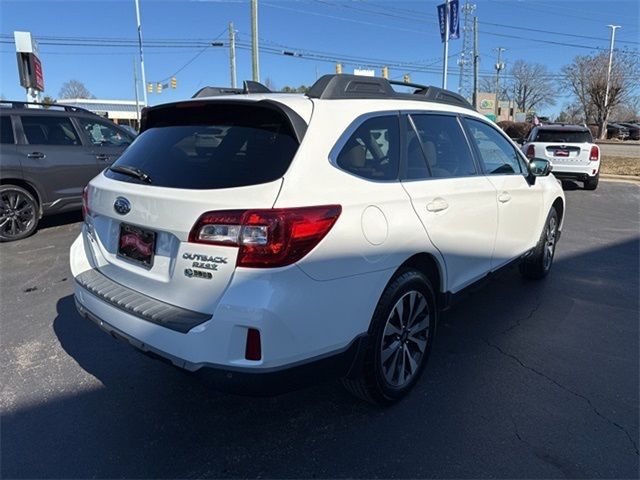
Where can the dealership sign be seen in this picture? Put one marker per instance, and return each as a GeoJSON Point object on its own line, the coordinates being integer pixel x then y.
{"type": "Point", "coordinates": [29, 65]}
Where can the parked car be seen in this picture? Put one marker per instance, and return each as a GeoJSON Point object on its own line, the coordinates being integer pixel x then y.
{"type": "Point", "coordinates": [48, 156]}
{"type": "Point", "coordinates": [634, 130]}
{"type": "Point", "coordinates": [615, 130]}
{"type": "Point", "coordinates": [570, 149]}
{"type": "Point", "coordinates": [320, 236]}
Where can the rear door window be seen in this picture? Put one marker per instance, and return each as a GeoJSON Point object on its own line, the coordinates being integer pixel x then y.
{"type": "Point", "coordinates": [205, 146]}
{"type": "Point", "coordinates": [444, 145]}
{"type": "Point", "coordinates": [563, 136]}
{"type": "Point", "coordinates": [45, 130]}
{"type": "Point", "coordinates": [373, 150]}
{"type": "Point", "coordinates": [6, 131]}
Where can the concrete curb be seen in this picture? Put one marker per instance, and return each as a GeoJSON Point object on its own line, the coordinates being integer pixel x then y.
{"type": "Point", "coordinates": [620, 178]}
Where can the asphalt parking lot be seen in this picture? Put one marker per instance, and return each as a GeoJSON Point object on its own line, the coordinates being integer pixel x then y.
{"type": "Point", "coordinates": [527, 379]}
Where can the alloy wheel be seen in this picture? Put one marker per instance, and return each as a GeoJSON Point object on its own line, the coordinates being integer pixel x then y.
{"type": "Point", "coordinates": [550, 242]}
{"type": "Point", "coordinates": [17, 214]}
{"type": "Point", "coordinates": [404, 339]}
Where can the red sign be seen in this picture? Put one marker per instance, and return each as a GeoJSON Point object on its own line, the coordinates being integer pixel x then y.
{"type": "Point", "coordinates": [38, 76]}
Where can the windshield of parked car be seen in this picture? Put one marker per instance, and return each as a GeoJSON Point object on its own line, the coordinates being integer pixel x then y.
{"type": "Point", "coordinates": [563, 136]}
{"type": "Point", "coordinates": [212, 148]}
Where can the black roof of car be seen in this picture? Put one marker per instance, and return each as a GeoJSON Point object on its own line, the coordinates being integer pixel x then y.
{"type": "Point", "coordinates": [11, 105]}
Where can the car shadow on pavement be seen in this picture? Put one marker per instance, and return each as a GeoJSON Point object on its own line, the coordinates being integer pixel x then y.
{"type": "Point", "coordinates": [514, 365]}
{"type": "Point", "coordinates": [60, 219]}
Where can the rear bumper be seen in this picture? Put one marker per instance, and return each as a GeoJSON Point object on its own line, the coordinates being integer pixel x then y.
{"type": "Point", "coordinates": [253, 381]}
{"type": "Point", "coordinates": [576, 172]}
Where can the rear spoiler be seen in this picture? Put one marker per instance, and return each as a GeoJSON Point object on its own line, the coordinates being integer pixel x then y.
{"type": "Point", "coordinates": [248, 86]}
{"type": "Point", "coordinates": [153, 116]}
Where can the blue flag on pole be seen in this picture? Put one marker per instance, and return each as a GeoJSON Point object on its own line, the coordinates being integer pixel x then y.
{"type": "Point", "coordinates": [454, 20]}
{"type": "Point", "coordinates": [441, 20]}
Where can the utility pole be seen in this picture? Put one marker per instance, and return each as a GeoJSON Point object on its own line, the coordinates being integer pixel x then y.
{"type": "Point", "coordinates": [135, 85]}
{"type": "Point", "coordinates": [232, 54]}
{"type": "Point", "coordinates": [144, 77]}
{"type": "Point", "coordinates": [476, 62]}
{"type": "Point", "coordinates": [499, 66]}
{"type": "Point", "coordinates": [254, 41]}
{"type": "Point", "coordinates": [613, 38]}
{"type": "Point", "coordinates": [445, 63]}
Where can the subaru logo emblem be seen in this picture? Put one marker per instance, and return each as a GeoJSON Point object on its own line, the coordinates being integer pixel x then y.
{"type": "Point", "coordinates": [122, 206]}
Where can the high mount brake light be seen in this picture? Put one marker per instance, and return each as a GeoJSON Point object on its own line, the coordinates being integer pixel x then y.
{"type": "Point", "coordinates": [594, 155]}
{"type": "Point", "coordinates": [267, 238]}
{"type": "Point", "coordinates": [531, 151]}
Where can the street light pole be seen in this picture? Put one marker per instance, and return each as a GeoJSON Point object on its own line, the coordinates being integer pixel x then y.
{"type": "Point", "coordinates": [254, 41]}
{"type": "Point", "coordinates": [445, 64]}
{"type": "Point", "coordinates": [499, 66]}
{"type": "Point", "coordinates": [232, 54]}
{"type": "Point", "coordinates": [144, 77]}
{"type": "Point", "coordinates": [613, 37]}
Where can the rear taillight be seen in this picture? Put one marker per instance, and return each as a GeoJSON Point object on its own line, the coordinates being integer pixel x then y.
{"type": "Point", "coordinates": [267, 238]}
{"type": "Point", "coordinates": [85, 202]}
{"type": "Point", "coordinates": [594, 155]}
{"type": "Point", "coordinates": [531, 151]}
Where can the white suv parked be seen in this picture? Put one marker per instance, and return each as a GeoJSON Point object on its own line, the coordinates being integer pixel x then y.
{"type": "Point", "coordinates": [277, 238]}
{"type": "Point", "coordinates": [570, 149]}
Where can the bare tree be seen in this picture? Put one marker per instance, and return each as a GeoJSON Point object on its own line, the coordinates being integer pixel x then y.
{"type": "Point", "coordinates": [488, 85]}
{"type": "Point", "coordinates": [74, 89]}
{"type": "Point", "coordinates": [268, 82]}
{"type": "Point", "coordinates": [586, 77]}
{"type": "Point", "coordinates": [571, 113]}
{"type": "Point", "coordinates": [47, 101]}
{"type": "Point", "coordinates": [531, 86]}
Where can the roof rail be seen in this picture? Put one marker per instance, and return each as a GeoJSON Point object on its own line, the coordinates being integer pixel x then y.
{"type": "Point", "coordinates": [248, 86]}
{"type": "Point", "coordinates": [20, 104]}
{"type": "Point", "coordinates": [343, 86]}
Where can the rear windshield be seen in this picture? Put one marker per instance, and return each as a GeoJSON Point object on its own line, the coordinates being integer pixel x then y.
{"type": "Point", "coordinates": [563, 136]}
{"type": "Point", "coordinates": [208, 146]}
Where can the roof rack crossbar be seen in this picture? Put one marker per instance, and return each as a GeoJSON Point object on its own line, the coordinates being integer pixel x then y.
{"type": "Point", "coordinates": [343, 86]}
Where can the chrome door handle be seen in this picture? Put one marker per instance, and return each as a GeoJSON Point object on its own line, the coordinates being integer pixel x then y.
{"type": "Point", "coordinates": [36, 155]}
{"type": "Point", "coordinates": [504, 197]}
{"type": "Point", "coordinates": [437, 205]}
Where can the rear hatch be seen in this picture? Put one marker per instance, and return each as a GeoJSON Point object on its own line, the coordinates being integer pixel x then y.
{"type": "Point", "coordinates": [564, 147]}
{"type": "Point", "coordinates": [191, 158]}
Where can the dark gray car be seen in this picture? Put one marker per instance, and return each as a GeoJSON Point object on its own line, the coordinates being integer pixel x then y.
{"type": "Point", "coordinates": [47, 156]}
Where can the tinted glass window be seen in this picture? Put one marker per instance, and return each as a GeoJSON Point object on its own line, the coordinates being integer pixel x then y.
{"type": "Point", "coordinates": [496, 152]}
{"type": "Point", "coordinates": [101, 133]}
{"type": "Point", "coordinates": [212, 147]}
{"type": "Point", "coordinates": [563, 136]}
{"type": "Point", "coordinates": [445, 146]}
{"type": "Point", "coordinates": [373, 150]}
{"type": "Point", "coordinates": [416, 162]}
{"type": "Point", "coordinates": [6, 130]}
{"type": "Point", "coordinates": [41, 130]}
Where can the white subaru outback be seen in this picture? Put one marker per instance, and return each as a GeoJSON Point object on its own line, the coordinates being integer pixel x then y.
{"type": "Point", "coordinates": [270, 239]}
{"type": "Point", "coordinates": [570, 149]}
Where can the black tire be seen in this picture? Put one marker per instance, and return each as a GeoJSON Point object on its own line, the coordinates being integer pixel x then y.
{"type": "Point", "coordinates": [19, 213]}
{"type": "Point", "coordinates": [372, 383]}
{"type": "Point", "coordinates": [591, 183]}
{"type": "Point", "coordinates": [538, 264]}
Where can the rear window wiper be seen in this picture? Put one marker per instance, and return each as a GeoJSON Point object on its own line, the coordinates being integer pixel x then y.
{"type": "Point", "coordinates": [132, 172]}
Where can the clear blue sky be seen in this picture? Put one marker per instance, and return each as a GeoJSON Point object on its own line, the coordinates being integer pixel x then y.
{"type": "Point", "coordinates": [399, 31]}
